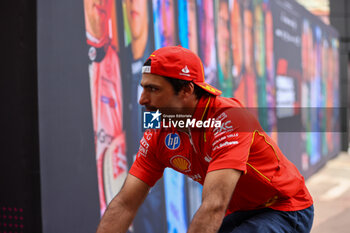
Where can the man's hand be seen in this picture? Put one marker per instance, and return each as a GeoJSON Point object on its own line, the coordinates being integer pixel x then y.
{"type": "Point", "coordinates": [217, 192]}
{"type": "Point", "coordinates": [122, 209]}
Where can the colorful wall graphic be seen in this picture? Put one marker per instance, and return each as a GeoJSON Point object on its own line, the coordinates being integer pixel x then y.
{"type": "Point", "coordinates": [273, 55]}
{"type": "Point", "coordinates": [106, 97]}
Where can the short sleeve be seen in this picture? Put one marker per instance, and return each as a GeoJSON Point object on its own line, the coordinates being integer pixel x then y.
{"type": "Point", "coordinates": [146, 167]}
{"type": "Point", "coordinates": [230, 144]}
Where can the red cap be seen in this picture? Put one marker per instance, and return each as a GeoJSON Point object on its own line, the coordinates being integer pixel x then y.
{"type": "Point", "coordinates": [179, 63]}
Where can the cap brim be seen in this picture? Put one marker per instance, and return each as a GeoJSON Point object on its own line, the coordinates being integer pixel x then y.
{"type": "Point", "coordinates": [209, 88]}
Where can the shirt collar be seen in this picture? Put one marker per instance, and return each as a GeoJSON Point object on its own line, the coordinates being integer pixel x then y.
{"type": "Point", "coordinates": [202, 107]}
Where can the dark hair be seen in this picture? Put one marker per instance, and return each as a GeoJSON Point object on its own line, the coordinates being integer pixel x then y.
{"type": "Point", "coordinates": [147, 62]}
{"type": "Point", "coordinates": [178, 84]}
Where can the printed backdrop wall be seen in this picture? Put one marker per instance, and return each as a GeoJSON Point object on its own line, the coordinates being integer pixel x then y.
{"type": "Point", "coordinates": [273, 55]}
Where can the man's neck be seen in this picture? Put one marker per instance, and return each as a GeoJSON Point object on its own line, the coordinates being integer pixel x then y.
{"type": "Point", "coordinates": [189, 111]}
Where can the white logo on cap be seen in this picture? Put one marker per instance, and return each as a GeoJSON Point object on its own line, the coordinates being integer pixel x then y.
{"type": "Point", "coordinates": [146, 69]}
{"type": "Point", "coordinates": [185, 70]}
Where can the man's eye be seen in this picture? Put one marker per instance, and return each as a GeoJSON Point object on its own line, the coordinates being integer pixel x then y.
{"type": "Point", "coordinates": [152, 89]}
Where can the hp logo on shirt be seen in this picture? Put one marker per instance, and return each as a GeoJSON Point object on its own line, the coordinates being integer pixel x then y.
{"type": "Point", "coordinates": [151, 120]}
{"type": "Point", "coordinates": [172, 141]}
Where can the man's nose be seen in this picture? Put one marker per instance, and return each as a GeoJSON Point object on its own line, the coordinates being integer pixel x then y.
{"type": "Point", "coordinates": [144, 99]}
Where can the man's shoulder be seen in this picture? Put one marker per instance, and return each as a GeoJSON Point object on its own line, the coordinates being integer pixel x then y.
{"type": "Point", "coordinates": [228, 102]}
{"type": "Point", "coordinates": [231, 111]}
{"type": "Point", "coordinates": [226, 106]}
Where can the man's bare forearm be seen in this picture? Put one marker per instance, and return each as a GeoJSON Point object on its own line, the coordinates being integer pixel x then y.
{"type": "Point", "coordinates": [122, 209]}
{"type": "Point", "coordinates": [217, 192]}
{"type": "Point", "coordinates": [117, 218]}
{"type": "Point", "coordinates": [208, 219]}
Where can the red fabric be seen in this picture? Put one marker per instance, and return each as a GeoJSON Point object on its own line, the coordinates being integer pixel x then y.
{"type": "Point", "coordinates": [179, 63]}
{"type": "Point", "coordinates": [268, 178]}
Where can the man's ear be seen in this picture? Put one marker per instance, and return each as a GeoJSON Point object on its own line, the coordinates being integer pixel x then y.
{"type": "Point", "coordinates": [188, 90]}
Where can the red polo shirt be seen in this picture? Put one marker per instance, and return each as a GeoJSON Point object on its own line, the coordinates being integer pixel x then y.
{"type": "Point", "coordinates": [268, 178]}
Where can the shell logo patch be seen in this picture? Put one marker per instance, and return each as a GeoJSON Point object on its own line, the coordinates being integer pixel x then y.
{"type": "Point", "coordinates": [181, 163]}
